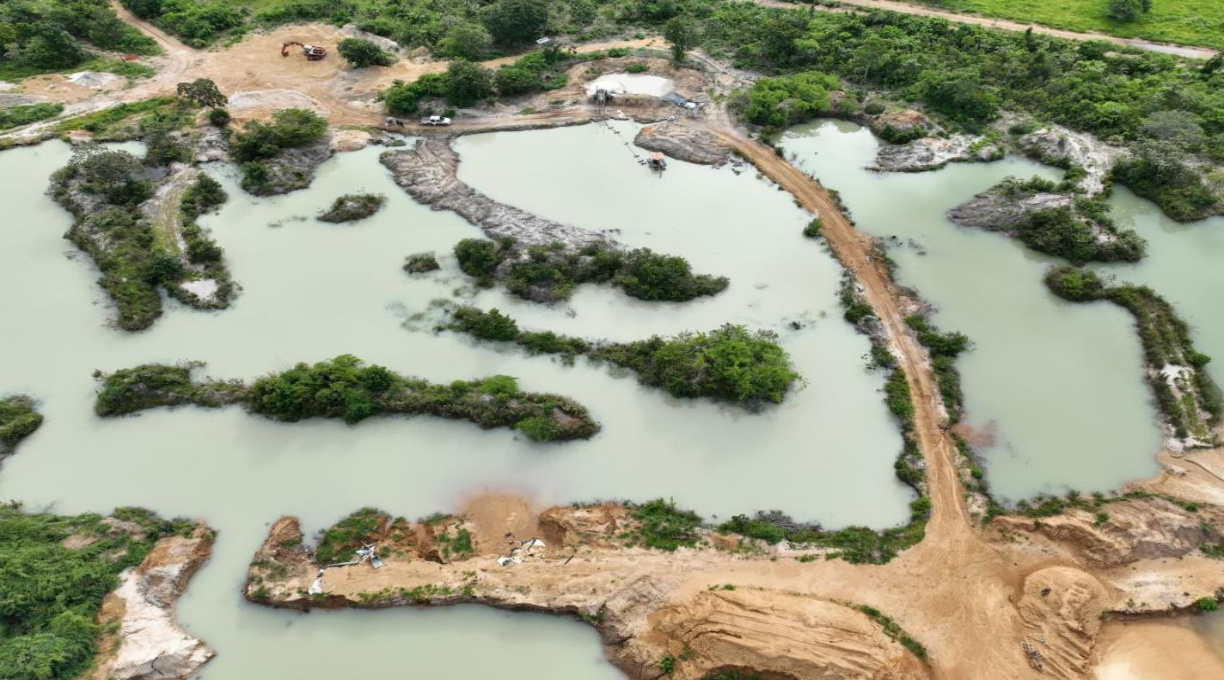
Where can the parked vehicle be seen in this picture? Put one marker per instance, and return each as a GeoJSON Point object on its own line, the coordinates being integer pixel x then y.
{"type": "Point", "coordinates": [436, 120]}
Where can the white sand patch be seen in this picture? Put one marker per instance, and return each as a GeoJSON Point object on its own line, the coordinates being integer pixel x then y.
{"type": "Point", "coordinates": [1173, 372]}
{"type": "Point", "coordinates": [272, 100]}
{"type": "Point", "coordinates": [631, 83]}
{"type": "Point", "coordinates": [205, 289]}
{"type": "Point", "coordinates": [93, 79]}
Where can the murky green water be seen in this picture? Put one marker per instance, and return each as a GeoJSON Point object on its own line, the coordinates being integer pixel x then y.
{"type": "Point", "coordinates": [1057, 387]}
{"type": "Point", "coordinates": [1183, 265]}
{"type": "Point", "coordinates": [312, 291]}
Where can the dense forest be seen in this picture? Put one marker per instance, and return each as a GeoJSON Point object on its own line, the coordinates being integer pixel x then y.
{"type": "Point", "coordinates": [44, 35]}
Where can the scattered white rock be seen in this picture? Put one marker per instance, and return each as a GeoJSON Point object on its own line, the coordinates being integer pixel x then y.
{"type": "Point", "coordinates": [350, 140]}
{"type": "Point", "coordinates": [205, 289]}
{"type": "Point", "coordinates": [932, 153]}
{"type": "Point", "coordinates": [1056, 144]}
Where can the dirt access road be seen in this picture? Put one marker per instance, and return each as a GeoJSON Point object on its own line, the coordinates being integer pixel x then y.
{"type": "Point", "coordinates": [1003, 24]}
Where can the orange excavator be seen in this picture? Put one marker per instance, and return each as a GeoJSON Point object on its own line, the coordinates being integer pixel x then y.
{"type": "Point", "coordinates": [312, 52]}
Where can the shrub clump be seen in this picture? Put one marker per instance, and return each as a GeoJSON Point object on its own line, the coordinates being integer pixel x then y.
{"type": "Point", "coordinates": [421, 263]}
{"type": "Point", "coordinates": [289, 128]}
{"type": "Point", "coordinates": [18, 420]}
{"type": "Point", "coordinates": [729, 364]}
{"type": "Point", "coordinates": [548, 273]}
{"type": "Point", "coordinates": [361, 53]}
{"type": "Point", "coordinates": [346, 388]}
{"type": "Point", "coordinates": [352, 207]}
{"type": "Point", "coordinates": [663, 526]}
{"type": "Point", "coordinates": [151, 385]}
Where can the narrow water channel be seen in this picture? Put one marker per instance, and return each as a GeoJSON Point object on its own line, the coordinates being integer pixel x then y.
{"type": "Point", "coordinates": [312, 291]}
{"type": "Point", "coordinates": [1055, 389]}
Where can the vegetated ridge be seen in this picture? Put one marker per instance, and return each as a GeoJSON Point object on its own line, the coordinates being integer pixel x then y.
{"type": "Point", "coordinates": [729, 364]}
{"type": "Point", "coordinates": [346, 388]}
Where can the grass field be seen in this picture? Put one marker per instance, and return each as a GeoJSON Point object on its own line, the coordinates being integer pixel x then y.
{"type": "Point", "coordinates": [1189, 22]}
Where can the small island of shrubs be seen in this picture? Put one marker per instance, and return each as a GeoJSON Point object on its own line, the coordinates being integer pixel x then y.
{"type": "Point", "coordinates": [353, 207]}
{"type": "Point", "coordinates": [730, 364]}
{"type": "Point", "coordinates": [18, 420]}
{"type": "Point", "coordinates": [549, 273]}
{"type": "Point", "coordinates": [346, 388]}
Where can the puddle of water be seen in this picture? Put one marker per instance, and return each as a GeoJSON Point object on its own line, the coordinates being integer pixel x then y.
{"type": "Point", "coordinates": [1059, 385]}
{"type": "Point", "coordinates": [313, 290]}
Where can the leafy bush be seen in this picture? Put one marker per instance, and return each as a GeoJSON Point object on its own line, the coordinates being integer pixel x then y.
{"type": "Point", "coordinates": [730, 364]}
{"type": "Point", "coordinates": [421, 263]}
{"type": "Point", "coordinates": [468, 83]}
{"type": "Point", "coordinates": [478, 257]}
{"type": "Point", "coordinates": [203, 195]}
{"type": "Point", "coordinates": [352, 207]}
{"type": "Point", "coordinates": [490, 325]}
{"type": "Point", "coordinates": [344, 537]}
{"type": "Point", "coordinates": [289, 128]}
{"type": "Point", "coordinates": [665, 527]}
{"type": "Point", "coordinates": [18, 420]}
{"type": "Point", "coordinates": [219, 117]}
{"type": "Point", "coordinates": [1074, 283]}
{"type": "Point", "coordinates": [647, 275]}
{"type": "Point", "coordinates": [362, 53]}
{"type": "Point", "coordinates": [1059, 231]}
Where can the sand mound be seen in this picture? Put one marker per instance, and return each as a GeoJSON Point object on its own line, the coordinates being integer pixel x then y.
{"type": "Point", "coordinates": [780, 635]}
{"type": "Point", "coordinates": [1061, 608]}
{"type": "Point", "coordinates": [261, 102]}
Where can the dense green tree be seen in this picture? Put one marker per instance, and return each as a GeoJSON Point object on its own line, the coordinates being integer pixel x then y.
{"type": "Point", "coordinates": [512, 22]}
{"type": "Point", "coordinates": [1177, 127]}
{"type": "Point", "coordinates": [466, 40]}
{"type": "Point", "coordinates": [468, 83]}
{"type": "Point", "coordinates": [1125, 10]}
{"type": "Point", "coordinates": [512, 80]}
{"type": "Point", "coordinates": [681, 34]}
{"type": "Point", "coordinates": [961, 95]}
{"type": "Point", "coordinates": [202, 92]}
{"type": "Point", "coordinates": [361, 53]}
